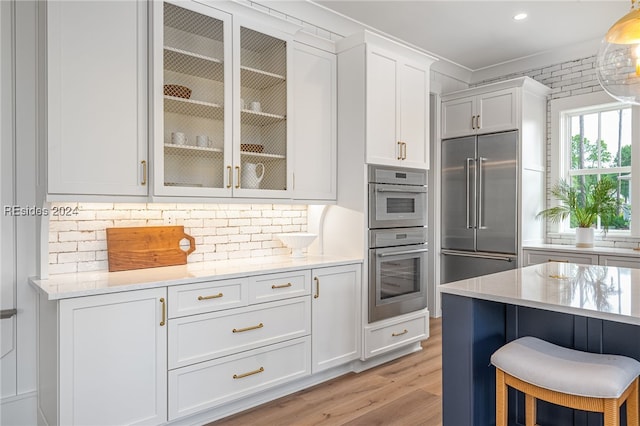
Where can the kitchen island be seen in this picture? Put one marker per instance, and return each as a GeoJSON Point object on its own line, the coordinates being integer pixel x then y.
{"type": "Point", "coordinates": [584, 307]}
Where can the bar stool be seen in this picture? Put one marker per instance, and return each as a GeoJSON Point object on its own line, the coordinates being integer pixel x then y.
{"type": "Point", "coordinates": [566, 377]}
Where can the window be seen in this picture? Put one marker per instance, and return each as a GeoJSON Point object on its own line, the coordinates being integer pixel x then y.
{"type": "Point", "coordinates": [592, 138]}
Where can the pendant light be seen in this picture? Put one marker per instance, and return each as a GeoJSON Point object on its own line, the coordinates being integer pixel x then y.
{"type": "Point", "coordinates": [618, 60]}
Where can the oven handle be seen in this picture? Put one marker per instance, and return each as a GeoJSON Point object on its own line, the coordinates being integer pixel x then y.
{"type": "Point", "coordinates": [397, 253]}
{"type": "Point", "coordinates": [416, 190]}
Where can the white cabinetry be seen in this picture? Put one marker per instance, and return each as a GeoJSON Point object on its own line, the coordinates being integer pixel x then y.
{"type": "Point", "coordinates": [394, 99]}
{"type": "Point", "coordinates": [222, 136]}
{"type": "Point", "coordinates": [386, 336]}
{"type": "Point", "coordinates": [484, 113]}
{"type": "Point", "coordinates": [314, 123]}
{"type": "Point", "coordinates": [619, 261]}
{"type": "Point", "coordinates": [110, 364]}
{"type": "Point", "coordinates": [572, 255]}
{"type": "Point", "coordinates": [336, 316]}
{"type": "Point", "coordinates": [96, 98]}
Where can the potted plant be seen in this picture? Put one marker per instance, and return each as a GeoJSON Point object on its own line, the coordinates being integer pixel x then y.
{"type": "Point", "coordinates": [585, 203]}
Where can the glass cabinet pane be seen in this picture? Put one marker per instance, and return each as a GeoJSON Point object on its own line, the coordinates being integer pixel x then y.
{"type": "Point", "coordinates": [193, 99]}
{"type": "Point", "coordinates": [263, 111]}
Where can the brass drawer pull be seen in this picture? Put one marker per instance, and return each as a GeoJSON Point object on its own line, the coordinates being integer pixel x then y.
{"type": "Point", "coordinates": [253, 327]}
{"type": "Point", "coordinates": [281, 286]}
{"type": "Point", "coordinates": [164, 312]}
{"type": "Point", "coordinates": [229, 176]}
{"type": "Point", "coordinates": [399, 150]}
{"type": "Point", "coordinates": [144, 172]}
{"type": "Point", "coordinates": [317, 280]}
{"type": "Point", "coordinates": [557, 260]}
{"type": "Point", "coordinates": [238, 176]}
{"type": "Point", "coordinates": [400, 334]}
{"type": "Point", "coordinates": [213, 296]}
{"type": "Point", "coordinates": [250, 373]}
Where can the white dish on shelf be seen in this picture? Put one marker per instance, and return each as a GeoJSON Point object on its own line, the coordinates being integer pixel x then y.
{"type": "Point", "coordinates": [297, 241]}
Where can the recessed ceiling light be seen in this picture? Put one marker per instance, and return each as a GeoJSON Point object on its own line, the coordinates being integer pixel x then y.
{"type": "Point", "coordinates": [520, 16]}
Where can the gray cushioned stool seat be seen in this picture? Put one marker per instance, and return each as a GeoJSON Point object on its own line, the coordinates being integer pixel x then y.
{"type": "Point", "coordinates": [566, 370]}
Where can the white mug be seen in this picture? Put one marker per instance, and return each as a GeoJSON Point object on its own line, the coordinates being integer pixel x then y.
{"type": "Point", "coordinates": [255, 106]}
{"type": "Point", "coordinates": [178, 138]}
{"type": "Point", "coordinates": [203, 141]}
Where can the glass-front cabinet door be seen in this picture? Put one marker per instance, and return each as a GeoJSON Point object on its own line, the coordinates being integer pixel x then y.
{"type": "Point", "coordinates": [260, 133]}
{"type": "Point", "coordinates": [193, 119]}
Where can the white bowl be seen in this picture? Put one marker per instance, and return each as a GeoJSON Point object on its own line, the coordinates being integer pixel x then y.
{"type": "Point", "coordinates": [297, 241]}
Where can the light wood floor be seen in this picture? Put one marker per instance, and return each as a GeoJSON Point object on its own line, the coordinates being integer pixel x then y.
{"type": "Point", "coordinates": [406, 392]}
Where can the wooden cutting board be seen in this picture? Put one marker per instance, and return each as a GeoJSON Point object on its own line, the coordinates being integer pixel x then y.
{"type": "Point", "coordinates": [147, 247]}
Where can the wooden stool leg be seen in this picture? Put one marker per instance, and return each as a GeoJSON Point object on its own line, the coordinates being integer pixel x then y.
{"type": "Point", "coordinates": [530, 410]}
{"type": "Point", "coordinates": [501, 399]}
{"type": "Point", "coordinates": [611, 412]}
{"type": "Point", "coordinates": [633, 417]}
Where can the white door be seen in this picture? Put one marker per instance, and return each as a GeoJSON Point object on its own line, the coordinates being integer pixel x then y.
{"type": "Point", "coordinates": [8, 360]}
{"type": "Point", "coordinates": [335, 316]}
{"type": "Point", "coordinates": [382, 109]}
{"type": "Point", "coordinates": [97, 97]}
{"type": "Point", "coordinates": [414, 114]}
{"type": "Point", "coordinates": [458, 117]}
{"type": "Point", "coordinates": [497, 111]}
{"type": "Point", "coordinates": [314, 123]}
{"type": "Point", "coordinates": [113, 359]}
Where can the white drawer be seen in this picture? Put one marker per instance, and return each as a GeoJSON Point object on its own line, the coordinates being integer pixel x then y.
{"type": "Point", "coordinates": [204, 337]}
{"type": "Point", "coordinates": [208, 296]}
{"type": "Point", "coordinates": [534, 257]}
{"type": "Point", "coordinates": [380, 339]}
{"type": "Point", "coordinates": [266, 288]}
{"type": "Point", "coordinates": [209, 384]}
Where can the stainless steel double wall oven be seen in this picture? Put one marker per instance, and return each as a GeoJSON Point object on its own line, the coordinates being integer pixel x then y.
{"type": "Point", "coordinates": [397, 241]}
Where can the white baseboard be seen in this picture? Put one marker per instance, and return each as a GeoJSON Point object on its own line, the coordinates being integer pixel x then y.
{"type": "Point", "coordinates": [19, 410]}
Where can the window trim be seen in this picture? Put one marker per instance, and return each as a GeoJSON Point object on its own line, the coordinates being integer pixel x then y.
{"type": "Point", "coordinates": [560, 153]}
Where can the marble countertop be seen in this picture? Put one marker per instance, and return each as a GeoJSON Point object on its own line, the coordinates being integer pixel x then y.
{"type": "Point", "coordinates": [604, 292]}
{"type": "Point", "coordinates": [65, 286]}
{"type": "Point", "coordinates": [611, 251]}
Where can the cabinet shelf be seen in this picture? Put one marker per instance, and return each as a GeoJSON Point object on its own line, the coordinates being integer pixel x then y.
{"type": "Point", "coordinates": [263, 155]}
{"type": "Point", "coordinates": [255, 118]}
{"type": "Point", "coordinates": [193, 107]}
{"type": "Point", "coordinates": [194, 64]}
{"type": "Point", "coordinates": [258, 79]}
{"type": "Point", "coordinates": [191, 150]}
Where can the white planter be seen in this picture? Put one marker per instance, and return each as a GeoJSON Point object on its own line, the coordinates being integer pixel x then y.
{"type": "Point", "coordinates": [584, 237]}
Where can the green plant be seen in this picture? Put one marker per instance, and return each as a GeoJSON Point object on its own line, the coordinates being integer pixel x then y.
{"type": "Point", "coordinates": [585, 203]}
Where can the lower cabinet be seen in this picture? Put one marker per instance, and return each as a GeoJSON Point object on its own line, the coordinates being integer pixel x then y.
{"type": "Point", "coordinates": [156, 355]}
{"type": "Point", "coordinates": [392, 334]}
{"type": "Point", "coordinates": [109, 365]}
{"type": "Point", "coordinates": [620, 261]}
{"type": "Point", "coordinates": [535, 256]}
{"type": "Point", "coordinates": [335, 316]}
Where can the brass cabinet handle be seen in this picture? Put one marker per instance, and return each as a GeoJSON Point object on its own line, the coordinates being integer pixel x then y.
{"type": "Point", "coordinates": [405, 331]}
{"type": "Point", "coordinates": [164, 311]}
{"type": "Point", "coordinates": [399, 150]}
{"type": "Point", "coordinates": [238, 176]}
{"type": "Point", "coordinates": [253, 327]}
{"type": "Point", "coordinates": [213, 296]}
{"type": "Point", "coordinates": [281, 286]}
{"type": "Point", "coordinates": [557, 260]}
{"type": "Point", "coordinates": [473, 123]}
{"type": "Point", "coordinates": [317, 280]}
{"type": "Point", "coordinates": [404, 150]}
{"type": "Point", "coordinates": [144, 172]}
{"type": "Point", "coordinates": [250, 373]}
{"type": "Point", "coordinates": [230, 176]}
{"type": "Point", "coordinates": [478, 126]}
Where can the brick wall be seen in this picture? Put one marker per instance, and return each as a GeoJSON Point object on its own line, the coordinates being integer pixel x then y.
{"type": "Point", "coordinates": [571, 78]}
{"type": "Point", "coordinates": [77, 242]}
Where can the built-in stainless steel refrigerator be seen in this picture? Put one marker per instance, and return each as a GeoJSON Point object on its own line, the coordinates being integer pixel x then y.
{"type": "Point", "coordinates": [479, 205]}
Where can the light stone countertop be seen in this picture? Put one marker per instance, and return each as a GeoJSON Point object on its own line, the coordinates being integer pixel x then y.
{"type": "Point", "coordinates": [604, 292]}
{"type": "Point", "coordinates": [65, 286]}
{"type": "Point", "coordinates": [610, 251]}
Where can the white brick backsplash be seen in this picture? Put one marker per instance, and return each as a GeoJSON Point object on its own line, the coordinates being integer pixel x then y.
{"type": "Point", "coordinates": [222, 231]}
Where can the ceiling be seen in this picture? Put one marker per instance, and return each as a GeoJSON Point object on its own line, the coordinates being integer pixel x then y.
{"type": "Point", "coordinates": [480, 34]}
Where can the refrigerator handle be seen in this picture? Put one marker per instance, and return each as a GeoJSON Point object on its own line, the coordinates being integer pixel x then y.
{"type": "Point", "coordinates": [480, 194]}
{"type": "Point", "coordinates": [469, 160]}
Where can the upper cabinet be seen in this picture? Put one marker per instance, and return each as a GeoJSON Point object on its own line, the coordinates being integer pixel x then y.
{"type": "Point", "coordinates": [216, 135]}
{"type": "Point", "coordinates": [394, 98]}
{"type": "Point", "coordinates": [483, 113]}
{"type": "Point", "coordinates": [314, 123]}
{"type": "Point", "coordinates": [96, 98]}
